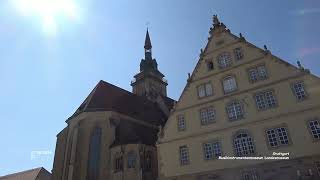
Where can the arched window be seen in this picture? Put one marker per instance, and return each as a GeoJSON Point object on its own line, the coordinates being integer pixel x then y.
{"type": "Point", "coordinates": [224, 60]}
{"type": "Point", "coordinates": [148, 160]}
{"type": "Point", "coordinates": [243, 144]}
{"type": "Point", "coordinates": [94, 154]}
{"type": "Point", "coordinates": [229, 84]}
{"type": "Point", "coordinates": [118, 162]}
{"type": "Point", "coordinates": [131, 158]}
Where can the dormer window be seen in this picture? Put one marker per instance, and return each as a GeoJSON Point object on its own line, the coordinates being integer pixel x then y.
{"type": "Point", "coordinates": [224, 60]}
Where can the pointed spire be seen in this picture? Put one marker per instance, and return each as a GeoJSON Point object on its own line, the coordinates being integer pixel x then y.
{"type": "Point", "coordinates": [147, 42]}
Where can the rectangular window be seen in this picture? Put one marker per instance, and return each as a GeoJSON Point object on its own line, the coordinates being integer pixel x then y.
{"type": "Point", "coordinates": [238, 53]}
{"type": "Point", "coordinates": [257, 73]}
{"type": "Point", "coordinates": [205, 90]}
{"type": "Point", "coordinates": [314, 126]}
{"type": "Point", "coordinates": [212, 150]}
{"type": "Point", "coordinates": [207, 115]}
{"type": "Point", "coordinates": [277, 136]}
{"type": "Point", "coordinates": [229, 84]}
{"type": "Point", "coordinates": [265, 100]}
{"type": "Point", "coordinates": [181, 122]}
{"type": "Point", "coordinates": [299, 90]}
{"type": "Point", "coordinates": [184, 155]}
{"type": "Point", "coordinates": [317, 164]}
{"type": "Point", "coordinates": [249, 175]}
{"type": "Point", "coordinates": [235, 111]}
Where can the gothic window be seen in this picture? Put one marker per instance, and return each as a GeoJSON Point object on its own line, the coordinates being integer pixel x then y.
{"type": "Point", "coordinates": [181, 122]}
{"type": "Point", "coordinates": [314, 126]}
{"type": "Point", "coordinates": [184, 155]}
{"type": "Point", "coordinates": [212, 150]}
{"type": "Point", "coordinates": [265, 100]}
{"type": "Point", "coordinates": [94, 154]}
{"type": "Point", "coordinates": [148, 160]}
{"type": "Point", "coordinates": [224, 60]}
{"type": "Point", "coordinates": [229, 84]}
{"type": "Point", "coordinates": [243, 144]}
{"type": "Point", "coordinates": [277, 136]}
{"type": "Point", "coordinates": [317, 164]}
{"type": "Point", "coordinates": [249, 175]}
{"type": "Point", "coordinates": [205, 90]}
{"type": "Point", "coordinates": [257, 73]}
{"type": "Point", "coordinates": [235, 110]}
{"type": "Point", "coordinates": [207, 115]}
{"type": "Point", "coordinates": [118, 162]}
{"type": "Point", "coordinates": [299, 90]}
{"type": "Point", "coordinates": [210, 65]}
{"type": "Point", "coordinates": [238, 53]}
{"type": "Point", "coordinates": [131, 157]}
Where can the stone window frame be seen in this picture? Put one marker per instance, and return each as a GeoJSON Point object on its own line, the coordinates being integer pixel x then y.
{"type": "Point", "coordinates": [309, 128]}
{"type": "Point", "coordinates": [279, 145]}
{"type": "Point", "coordinates": [252, 174]}
{"type": "Point", "coordinates": [243, 131]}
{"type": "Point", "coordinates": [184, 157]}
{"type": "Point", "coordinates": [224, 65]}
{"type": "Point", "coordinates": [235, 81]}
{"type": "Point", "coordinates": [267, 106]}
{"type": "Point", "coordinates": [204, 85]}
{"type": "Point", "coordinates": [317, 166]}
{"type": "Point", "coordinates": [233, 101]}
{"type": "Point", "coordinates": [206, 109]}
{"type": "Point", "coordinates": [255, 68]}
{"type": "Point", "coordinates": [118, 162]}
{"type": "Point", "coordinates": [131, 160]}
{"type": "Point", "coordinates": [237, 51]}
{"type": "Point", "coordinates": [214, 157]}
{"type": "Point", "coordinates": [179, 127]}
{"type": "Point", "coordinates": [294, 90]}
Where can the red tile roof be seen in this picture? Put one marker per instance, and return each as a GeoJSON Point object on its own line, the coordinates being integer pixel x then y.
{"type": "Point", "coordinates": [32, 174]}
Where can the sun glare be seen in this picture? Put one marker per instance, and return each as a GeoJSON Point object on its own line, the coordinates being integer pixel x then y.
{"type": "Point", "coordinates": [48, 11]}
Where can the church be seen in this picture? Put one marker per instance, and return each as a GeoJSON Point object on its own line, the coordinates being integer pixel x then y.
{"type": "Point", "coordinates": [244, 114]}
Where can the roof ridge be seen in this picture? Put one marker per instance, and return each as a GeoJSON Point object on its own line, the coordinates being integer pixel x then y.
{"type": "Point", "coordinates": [23, 172]}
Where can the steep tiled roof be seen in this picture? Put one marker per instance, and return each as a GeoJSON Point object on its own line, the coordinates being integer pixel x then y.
{"type": "Point", "coordinates": [32, 174]}
{"type": "Point", "coordinates": [108, 97]}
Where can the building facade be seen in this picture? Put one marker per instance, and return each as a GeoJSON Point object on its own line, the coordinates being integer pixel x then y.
{"type": "Point", "coordinates": [112, 134]}
{"type": "Point", "coordinates": [242, 101]}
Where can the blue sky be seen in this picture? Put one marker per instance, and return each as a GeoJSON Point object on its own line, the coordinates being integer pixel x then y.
{"type": "Point", "coordinates": [44, 77]}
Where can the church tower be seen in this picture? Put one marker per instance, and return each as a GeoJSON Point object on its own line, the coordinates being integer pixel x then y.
{"type": "Point", "coordinates": [149, 81]}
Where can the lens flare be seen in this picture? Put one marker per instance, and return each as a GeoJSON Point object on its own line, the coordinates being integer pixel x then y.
{"type": "Point", "coordinates": [48, 11]}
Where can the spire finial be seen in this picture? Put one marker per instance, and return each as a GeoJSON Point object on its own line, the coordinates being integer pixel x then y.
{"type": "Point", "coordinates": [216, 21]}
{"type": "Point", "coordinates": [147, 42]}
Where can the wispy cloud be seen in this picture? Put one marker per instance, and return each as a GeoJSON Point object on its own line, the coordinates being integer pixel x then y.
{"type": "Point", "coordinates": [308, 11]}
{"type": "Point", "coordinates": [309, 51]}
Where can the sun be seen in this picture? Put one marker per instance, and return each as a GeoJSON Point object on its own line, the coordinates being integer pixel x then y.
{"type": "Point", "coordinates": [48, 11]}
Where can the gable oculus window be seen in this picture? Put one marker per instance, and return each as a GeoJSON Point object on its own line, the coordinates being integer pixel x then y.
{"type": "Point", "coordinates": [207, 115]}
{"type": "Point", "coordinates": [238, 53]}
{"type": "Point", "coordinates": [299, 90]}
{"type": "Point", "coordinates": [229, 84]}
{"type": "Point", "coordinates": [212, 150]}
{"type": "Point", "coordinates": [184, 155]}
{"type": "Point", "coordinates": [235, 111]}
{"type": "Point", "coordinates": [314, 126]}
{"type": "Point", "coordinates": [205, 90]}
{"type": "Point", "coordinates": [258, 73]}
{"type": "Point", "coordinates": [224, 60]}
{"type": "Point", "coordinates": [243, 144]}
{"type": "Point", "coordinates": [277, 136]}
{"type": "Point", "coordinates": [181, 122]}
{"type": "Point", "coordinates": [265, 100]}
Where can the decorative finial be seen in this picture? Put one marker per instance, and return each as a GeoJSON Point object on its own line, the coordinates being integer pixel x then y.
{"type": "Point", "coordinates": [240, 35]}
{"type": "Point", "coordinates": [189, 77]}
{"type": "Point", "coordinates": [265, 47]}
{"type": "Point", "coordinates": [216, 21]}
{"type": "Point", "coordinates": [299, 64]}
